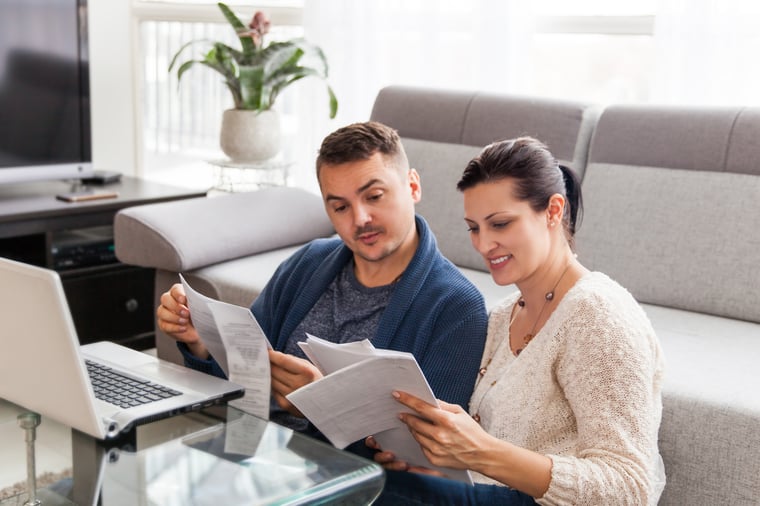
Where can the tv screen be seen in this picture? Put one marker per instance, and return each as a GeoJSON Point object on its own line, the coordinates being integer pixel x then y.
{"type": "Point", "coordinates": [44, 90]}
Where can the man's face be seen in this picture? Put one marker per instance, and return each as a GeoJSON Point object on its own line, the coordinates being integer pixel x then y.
{"type": "Point", "coordinates": [371, 205]}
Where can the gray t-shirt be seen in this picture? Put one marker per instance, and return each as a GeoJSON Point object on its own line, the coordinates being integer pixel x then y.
{"type": "Point", "coordinates": [347, 311]}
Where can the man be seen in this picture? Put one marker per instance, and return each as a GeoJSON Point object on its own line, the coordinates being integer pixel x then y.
{"type": "Point", "coordinates": [383, 280]}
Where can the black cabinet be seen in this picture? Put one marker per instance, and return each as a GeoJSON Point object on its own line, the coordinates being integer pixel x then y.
{"type": "Point", "coordinates": [114, 303]}
{"type": "Point", "coordinates": [108, 300]}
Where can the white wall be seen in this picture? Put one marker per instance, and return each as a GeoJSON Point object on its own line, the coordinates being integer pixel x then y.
{"type": "Point", "coordinates": [112, 86]}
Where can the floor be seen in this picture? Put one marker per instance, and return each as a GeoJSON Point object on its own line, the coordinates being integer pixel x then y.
{"type": "Point", "coordinates": [52, 445]}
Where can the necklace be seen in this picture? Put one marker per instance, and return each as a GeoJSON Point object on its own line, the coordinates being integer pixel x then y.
{"type": "Point", "coordinates": [549, 296]}
{"type": "Point", "coordinates": [483, 370]}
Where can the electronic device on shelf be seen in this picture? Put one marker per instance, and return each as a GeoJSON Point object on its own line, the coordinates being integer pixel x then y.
{"type": "Point", "coordinates": [45, 131]}
{"type": "Point", "coordinates": [86, 247]}
{"type": "Point", "coordinates": [100, 177]}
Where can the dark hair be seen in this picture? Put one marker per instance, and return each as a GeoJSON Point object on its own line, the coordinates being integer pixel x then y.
{"type": "Point", "coordinates": [359, 141]}
{"type": "Point", "coordinates": [537, 175]}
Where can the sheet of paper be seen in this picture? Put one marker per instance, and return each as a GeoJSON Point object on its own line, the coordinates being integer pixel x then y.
{"type": "Point", "coordinates": [330, 357]}
{"type": "Point", "coordinates": [235, 340]}
{"type": "Point", "coordinates": [204, 323]}
{"type": "Point", "coordinates": [247, 358]}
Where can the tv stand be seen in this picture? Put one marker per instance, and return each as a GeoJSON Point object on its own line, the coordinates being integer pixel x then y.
{"type": "Point", "coordinates": [108, 300]}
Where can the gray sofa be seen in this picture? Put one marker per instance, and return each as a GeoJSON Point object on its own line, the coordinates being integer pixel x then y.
{"type": "Point", "coordinates": [670, 195]}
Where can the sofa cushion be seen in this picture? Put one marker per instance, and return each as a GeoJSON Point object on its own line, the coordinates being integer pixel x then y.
{"type": "Point", "coordinates": [710, 427]}
{"type": "Point", "coordinates": [565, 127]}
{"type": "Point", "coordinates": [743, 153]}
{"type": "Point", "coordinates": [241, 280]}
{"type": "Point", "coordinates": [421, 113]}
{"type": "Point", "coordinates": [668, 194]}
{"type": "Point", "coordinates": [440, 166]}
{"type": "Point", "coordinates": [182, 235]}
{"type": "Point", "coordinates": [477, 119]}
{"type": "Point", "coordinates": [675, 238]}
{"type": "Point", "coordinates": [655, 136]}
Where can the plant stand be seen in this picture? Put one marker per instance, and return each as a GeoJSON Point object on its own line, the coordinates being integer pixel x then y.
{"type": "Point", "coordinates": [233, 177]}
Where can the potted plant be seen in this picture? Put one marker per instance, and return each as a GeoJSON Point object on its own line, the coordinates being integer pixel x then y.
{"type": "Point", "coordinates": [255, 75]}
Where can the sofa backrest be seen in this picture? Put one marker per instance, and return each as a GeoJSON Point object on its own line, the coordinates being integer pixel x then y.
{"type": "Point", "coordinates": [443, 130]}
{"type": "Point", "coordinates": [669, 199]}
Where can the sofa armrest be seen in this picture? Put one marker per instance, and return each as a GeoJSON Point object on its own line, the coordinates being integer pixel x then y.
{"type": "Point", "coordinates": [192, 233]}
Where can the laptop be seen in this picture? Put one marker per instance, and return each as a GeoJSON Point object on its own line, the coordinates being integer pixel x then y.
{"type": "Point", "coordinates": [45, 369]}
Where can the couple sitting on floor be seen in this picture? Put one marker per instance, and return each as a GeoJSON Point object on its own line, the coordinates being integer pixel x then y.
{"type": "Point", "coordinates": [562, 381]}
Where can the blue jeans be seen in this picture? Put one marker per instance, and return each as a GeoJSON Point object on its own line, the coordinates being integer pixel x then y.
{"type": "Point", "coordinates": [419, 489]}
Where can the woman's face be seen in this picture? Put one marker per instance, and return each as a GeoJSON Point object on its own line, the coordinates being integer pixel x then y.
{"type": "Point", "coordinates": [513, 239]}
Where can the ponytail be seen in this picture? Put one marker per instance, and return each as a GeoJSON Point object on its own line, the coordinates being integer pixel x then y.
{"type": "Point", "coordinates": [574, 199]}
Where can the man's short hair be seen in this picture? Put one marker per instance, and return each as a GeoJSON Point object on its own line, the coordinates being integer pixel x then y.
{"type": "Point", "coordinates": [359, 141]}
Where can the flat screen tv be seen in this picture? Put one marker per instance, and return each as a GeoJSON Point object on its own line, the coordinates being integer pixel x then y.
{"type": "Point", "coordinates": [44, 91]}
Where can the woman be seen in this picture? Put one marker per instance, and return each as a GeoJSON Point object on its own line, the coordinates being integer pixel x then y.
{"type": "Point", "coordinates": [567, 406]}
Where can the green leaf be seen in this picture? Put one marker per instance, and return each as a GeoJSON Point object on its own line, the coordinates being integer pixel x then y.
{"type": "Point", "coordinates": [333, 102]}
{"type": "Point", "coordinates": [249, 48]}
{"type": "Point", "coordinates": [182, 49]}
{"type": "Point", "coordinates": [185, 67]}
{"type": "Point", "coordinates": [252, 88]}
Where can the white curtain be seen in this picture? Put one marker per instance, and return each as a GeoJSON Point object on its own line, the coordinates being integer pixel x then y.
{"type": "Point", "coordinates": [369, 44]}
{"type": "Point", "coordinates": [707, 52]}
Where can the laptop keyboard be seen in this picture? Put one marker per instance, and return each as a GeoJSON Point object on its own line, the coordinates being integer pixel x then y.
{"type": "Point", "coordinates": [124, 391]}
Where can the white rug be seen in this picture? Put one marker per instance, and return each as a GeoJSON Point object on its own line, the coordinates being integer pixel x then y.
{"type": "Point", "coordinates": [43, 480]}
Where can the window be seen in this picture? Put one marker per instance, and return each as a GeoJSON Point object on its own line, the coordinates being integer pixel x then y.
{"type": "Point", "coordinates": [181, 120]}
{"type": "Point", "coordinates": [590, 50]}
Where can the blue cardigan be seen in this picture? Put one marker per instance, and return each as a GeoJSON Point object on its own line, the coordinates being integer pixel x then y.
{"type": "Point", "coordinates": [435, 313]}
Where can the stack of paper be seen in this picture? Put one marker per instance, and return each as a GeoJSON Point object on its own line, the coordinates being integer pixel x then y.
{"type": "Point", "coordinates": [354, 398]}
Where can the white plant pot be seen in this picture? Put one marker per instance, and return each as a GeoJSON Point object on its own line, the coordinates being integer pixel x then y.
{"type": "Point", "coordinates": [250, 136]}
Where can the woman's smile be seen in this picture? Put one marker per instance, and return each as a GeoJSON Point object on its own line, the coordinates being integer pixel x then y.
{"type": "Point", "coordinates": [499, 262]}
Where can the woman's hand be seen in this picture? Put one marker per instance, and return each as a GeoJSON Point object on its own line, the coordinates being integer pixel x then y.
{"type": "Point", "coordinates": [448, 435]}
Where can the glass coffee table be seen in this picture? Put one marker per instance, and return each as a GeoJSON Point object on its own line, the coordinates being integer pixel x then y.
{"type": "Point", "coordinates": [216, 456]}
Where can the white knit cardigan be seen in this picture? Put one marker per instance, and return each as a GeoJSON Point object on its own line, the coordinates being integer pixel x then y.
{"type": "Point", "coordinates": [586, 392]}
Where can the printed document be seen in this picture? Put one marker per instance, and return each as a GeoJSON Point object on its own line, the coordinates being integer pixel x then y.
{"type": "Point", "coordinates": [353, 400]}
{"type": "Point", "coordinates": [235, 340]}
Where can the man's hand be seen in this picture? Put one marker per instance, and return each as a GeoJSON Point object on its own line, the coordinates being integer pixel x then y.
{"type": "Point", "coordinates": [388, 460]}
{"type": "Point", "coordinates": [289, 373]}
{"type": "Point", "coordinates": [173, 317]}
